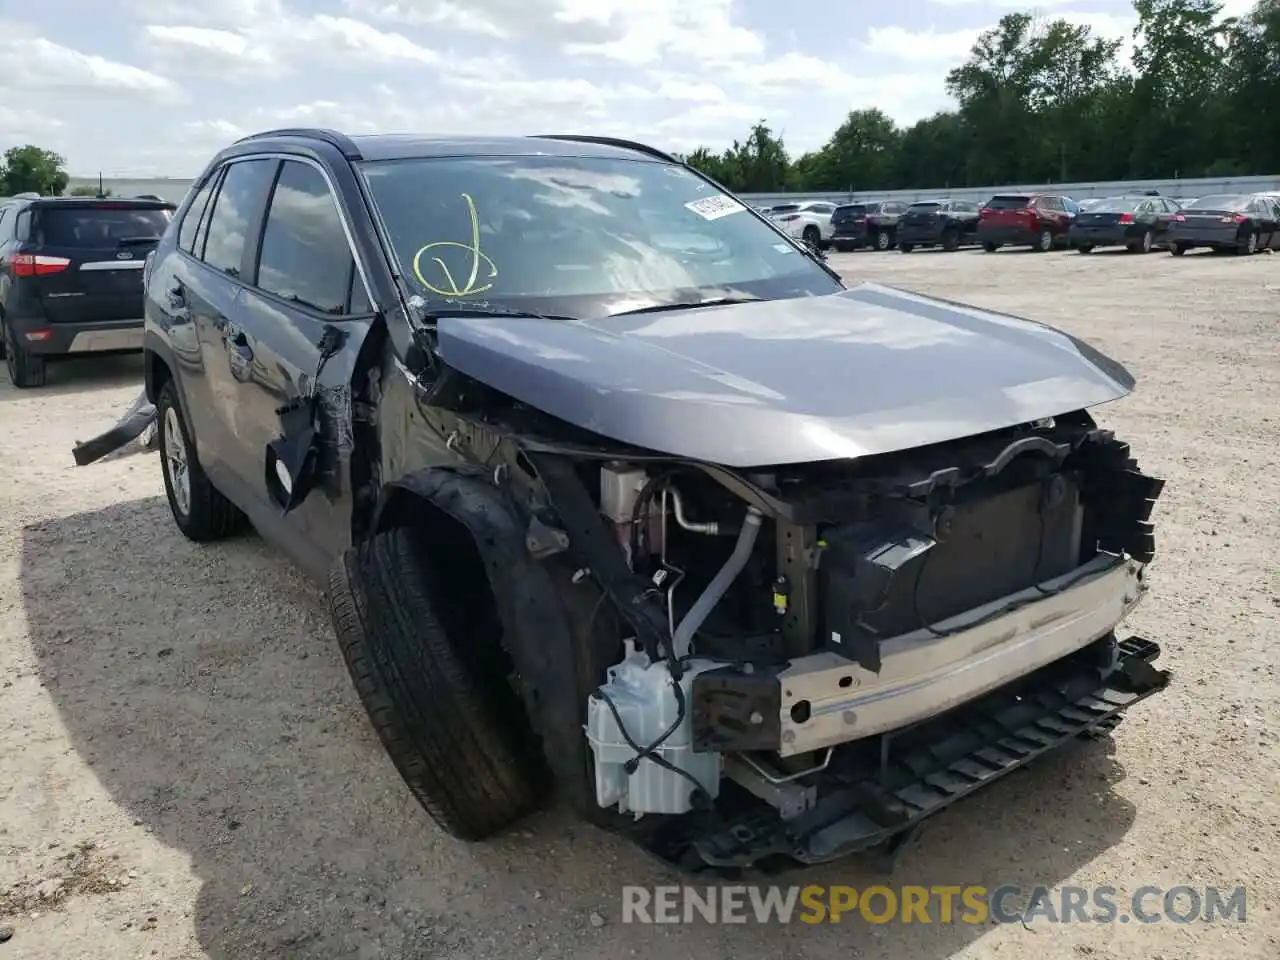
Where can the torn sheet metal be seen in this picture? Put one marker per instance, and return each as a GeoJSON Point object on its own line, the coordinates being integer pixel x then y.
{"type": "Point", "coordinates": [140, 415]}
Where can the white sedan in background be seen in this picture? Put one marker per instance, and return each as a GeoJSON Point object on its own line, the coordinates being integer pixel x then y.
{"type": "Point", "coordinates": [809, 220]}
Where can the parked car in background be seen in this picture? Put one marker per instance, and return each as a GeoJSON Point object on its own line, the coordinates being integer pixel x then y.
{"type": "Point", "coordinates": [1138, 223]}
{"type": "Point", "coordinates": [870, 224]}
{"type": "Point", "coordinates": [1228, 222]}
{"type": "Point", "coordinates": [71, 278]}
{"type": "Point", "coordinates": [809, 221]}
{"type": "Point", "coordinates": [1037, 220]}
{"type": "Point", "coordinates": [945, 222]}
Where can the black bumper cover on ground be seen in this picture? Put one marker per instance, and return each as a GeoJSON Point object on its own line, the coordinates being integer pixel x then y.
{"type": "Point", "coordinates": [140, 415]}
{"type": "Point", "coordinates": [923, 770]}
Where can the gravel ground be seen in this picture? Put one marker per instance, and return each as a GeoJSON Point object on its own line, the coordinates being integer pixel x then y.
{"type": "Point", "coordinates": [185, 771]}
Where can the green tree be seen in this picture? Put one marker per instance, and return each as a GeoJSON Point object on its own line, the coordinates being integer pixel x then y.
{"type": "Point", "coordinates": [1043, 100]}
{"type": "Point", "coordinates": [862, 154]}
{"type": "Point", "coordinates": [32, 169]}
{"type": "Point", "coordinates": [757, 164]}
{"type": "Point", "coordinates": [89, 191]}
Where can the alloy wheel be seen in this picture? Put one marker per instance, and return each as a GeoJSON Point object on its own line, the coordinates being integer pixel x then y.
{"type": "Point", "coordinates": [175, 461]}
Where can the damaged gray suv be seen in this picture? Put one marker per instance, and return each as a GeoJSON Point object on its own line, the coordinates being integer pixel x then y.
{"type": "Point", "coordinates": [621, 496]}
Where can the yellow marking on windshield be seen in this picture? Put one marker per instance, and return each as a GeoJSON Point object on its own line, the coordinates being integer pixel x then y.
{"type": "Point", "coordinates": [477, 255]}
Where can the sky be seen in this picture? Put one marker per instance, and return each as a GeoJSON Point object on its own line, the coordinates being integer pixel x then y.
{"type": "Point", "coordinates": [155, 87]}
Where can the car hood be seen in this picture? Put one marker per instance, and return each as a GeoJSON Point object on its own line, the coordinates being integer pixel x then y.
{"type": "Point", "coordinates": [865, 371]}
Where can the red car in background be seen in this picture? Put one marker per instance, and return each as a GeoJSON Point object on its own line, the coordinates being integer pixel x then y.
{"type": "Point", "coordinates": [1036, 220]}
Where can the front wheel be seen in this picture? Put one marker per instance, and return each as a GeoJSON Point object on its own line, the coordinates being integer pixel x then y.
{"type": "Point", "coordinates": [950, 241]}
{"type": "Point", "coordinates": [990, 247]}
{"type": "Point", "coordinates": [1249, 245]}
{"type": "Point", "coordinates": [883, 240]}
{"type": "Point", "coordinates": [1085, 248]}
{"type": "Point", "coordinates": [906, 247]}
{"type": "Point", "coordinates": [199, 509]}
{"type": "Point", "coordinates": [1044, 242]}
{"type": "Point", "coordinates": [442, 706]}
{"type": "Point", "coordinates": [812, 236]}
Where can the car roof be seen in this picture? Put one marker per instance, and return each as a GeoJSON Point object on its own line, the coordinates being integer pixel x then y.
{"type": "Point", "coordinates": [114, 201]}
{"type": "Point", "coordinates": [407, 146]}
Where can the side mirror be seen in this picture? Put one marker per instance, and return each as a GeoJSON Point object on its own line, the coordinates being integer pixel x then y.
{"type": "Point", "coordinates": [291, 458]}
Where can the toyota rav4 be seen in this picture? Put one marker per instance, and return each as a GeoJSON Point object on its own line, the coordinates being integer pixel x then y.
{"type": "Point", "coordinates": [621, 495]}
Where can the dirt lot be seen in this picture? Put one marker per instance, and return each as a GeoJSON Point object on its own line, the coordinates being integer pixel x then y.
{"type": "Point", "coordinates": [186, 772]}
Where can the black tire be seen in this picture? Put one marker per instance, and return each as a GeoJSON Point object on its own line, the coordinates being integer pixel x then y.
{"type": "Point", "coordinates": [454, 729]}
{"type": "Point", "coordinates": [1142, 245]}
{"type": "Point", "coordinates": [990, 247]}
{"type": "Point", "coordinates": [906, 247]}
{"type": "Point", "coordinates": [841, 247]}
{"type": "Point", "coordinates": [1178, 249]}
{"type": "Point", "coordinates": [208, 516]}
{"type": "Point", "coordinates": [883, 240]}
{"type": "Point", "coordinates": [812, 236]}
{"type": "Point", "coordinates": [1249, 245]}
{"type": "Point", "coordinates": [1044, 242]}
{"type": "Point", "coordinates": [26, 370]}
{"type": "Point", "coordinates": [950, 241]}
{"type": "Point", "coordinates": [1085, 248]}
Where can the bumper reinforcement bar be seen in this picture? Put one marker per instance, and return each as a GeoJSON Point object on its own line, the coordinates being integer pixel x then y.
{"type": "Point", "coordinates": [928, 767]}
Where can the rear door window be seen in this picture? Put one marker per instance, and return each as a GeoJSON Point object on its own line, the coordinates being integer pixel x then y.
{"type": "Point", "coordinates": [305, 256]}
{"type": "Point", "coordinates": [191, 219]}
{"type": "Point", "coordinates": [235, 210]}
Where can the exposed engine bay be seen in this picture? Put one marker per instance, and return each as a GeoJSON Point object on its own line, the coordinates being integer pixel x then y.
{"type": "Point", "coordinates": [813, 610]}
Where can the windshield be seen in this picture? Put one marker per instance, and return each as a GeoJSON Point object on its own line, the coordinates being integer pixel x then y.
{"type": "Point", "coordinates": [1222, 201]}
{"type": "Point", "coordinates": [852, 210]}
{"type": "Point", "coordinates": [579, 236]}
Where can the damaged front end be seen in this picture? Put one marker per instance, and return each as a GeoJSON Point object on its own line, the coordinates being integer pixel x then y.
{"type": "Point", "coordinates": [819, 657]}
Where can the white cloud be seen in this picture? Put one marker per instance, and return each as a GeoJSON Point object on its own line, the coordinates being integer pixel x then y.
{"type": "Point", "coordinates": [18, 123]}
{"type": "Point", "coordinates": [443, 15]}
{"type": "Point", "coordinates": [274, 38]}
{"type": "Point", "coordinates": [32, 63]}
{"type": "Point", "coordinates": [1030, 6]}
{"type": "Point", "coordinates": [679, 73]}
{"type": "Point", "coordinates": [928, 45]}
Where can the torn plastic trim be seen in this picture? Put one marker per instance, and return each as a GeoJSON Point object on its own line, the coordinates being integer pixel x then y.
{"type": "Point", "coordinates": [140, 415]}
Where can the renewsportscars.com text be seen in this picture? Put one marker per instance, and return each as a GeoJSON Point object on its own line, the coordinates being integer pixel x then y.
{"type": "Point", "coordinates": [935, 904]}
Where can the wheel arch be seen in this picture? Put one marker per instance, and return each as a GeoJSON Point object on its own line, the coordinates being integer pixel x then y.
{"type": "Point", "coordinates": [465, 518]}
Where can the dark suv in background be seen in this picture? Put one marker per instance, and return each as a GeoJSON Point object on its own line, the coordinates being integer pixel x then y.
{"type": "Point", "coordinates": [871, 224]}
{"type": "Point", "coordinates": [71, 278]}
{"type": "Point", "coordinates": [947, 223]}
{"type": "Point", "coordinates": [1038, 220]}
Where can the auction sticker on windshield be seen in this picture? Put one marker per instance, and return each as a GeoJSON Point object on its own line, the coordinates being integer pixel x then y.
{"type": "Point", "coordinates": [713, 208]}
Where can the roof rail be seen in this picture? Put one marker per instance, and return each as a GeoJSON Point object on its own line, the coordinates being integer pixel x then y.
{"type": "Point", "coordinates": [332, 137]}
{"type": "Point", "coordinates": [610, 142]}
